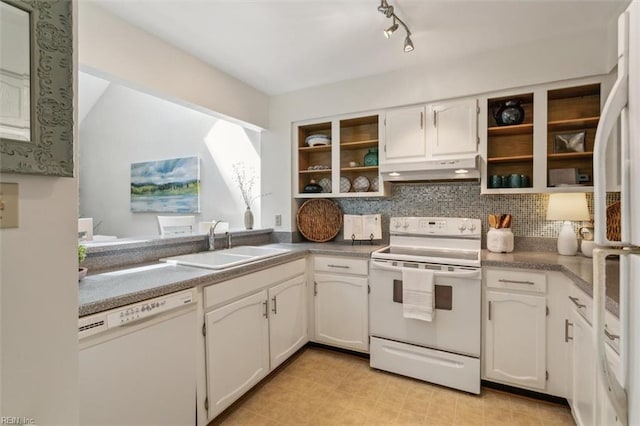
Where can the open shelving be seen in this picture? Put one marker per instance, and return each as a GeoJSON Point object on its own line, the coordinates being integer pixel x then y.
{"type": "Point", "coordinates": [571, 110]}
{"type": "Point", "coordinates": [352, 137]}
{"type": "Point", "coordinates": [510, 148]}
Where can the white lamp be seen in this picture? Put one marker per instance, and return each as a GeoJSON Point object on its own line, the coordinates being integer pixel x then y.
{"type": "Point", "coordinates": [567, 207]}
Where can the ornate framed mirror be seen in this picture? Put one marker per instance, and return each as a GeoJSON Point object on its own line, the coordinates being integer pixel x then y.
{"type": "Point", "coordinates": [36, 87]}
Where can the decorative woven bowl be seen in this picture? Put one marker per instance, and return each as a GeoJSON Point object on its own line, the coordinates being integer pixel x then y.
{"type": "Point", "coordinates": [319, 220]}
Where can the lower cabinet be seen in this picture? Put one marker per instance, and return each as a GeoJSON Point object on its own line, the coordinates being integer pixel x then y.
{"type": "Point", "coordinates": [341, 302]}
{"type": "Point", "coordinates": [583, 371]}
{"type": "Point", "coordinates": [263, 324]}
{"type": "Point", "coordinates": [287, 319]}
{"type": "Point", "coordinates": [515, 339]}
{"type": "Point", "coordinates": [588, 397]}
{"type": "Point", "coordinates": [237, 346]}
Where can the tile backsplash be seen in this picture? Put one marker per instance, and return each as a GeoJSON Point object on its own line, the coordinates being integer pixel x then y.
{"type": "Point", "coordinates": [463, 200]}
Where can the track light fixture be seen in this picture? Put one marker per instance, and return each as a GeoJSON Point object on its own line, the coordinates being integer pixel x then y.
{"type": "Point", "coordinates": [386, 9]}
{"type": "Point", "coordinates": [391, 29]}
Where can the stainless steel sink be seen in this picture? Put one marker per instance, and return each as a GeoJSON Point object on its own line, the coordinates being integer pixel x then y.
{"type": "Point", "coordinates": [222, 259]}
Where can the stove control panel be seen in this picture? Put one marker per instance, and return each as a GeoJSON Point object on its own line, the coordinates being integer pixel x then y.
{"type": "Point", "coordinates": [441, 226]}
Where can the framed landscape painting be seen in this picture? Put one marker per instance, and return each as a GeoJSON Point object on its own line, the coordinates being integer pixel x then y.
{"type": "Point", "coordinates": [166, 186]}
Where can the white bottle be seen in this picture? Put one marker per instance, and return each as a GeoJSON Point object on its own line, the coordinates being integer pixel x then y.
{"type": "Point", "coordinates": [500, 240]}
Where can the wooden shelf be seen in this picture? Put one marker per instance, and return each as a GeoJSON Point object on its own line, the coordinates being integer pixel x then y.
{"type": "Point", "coordinates": [516, 129]}
{"type": "Point", "coordinates": [309, 172]}
{"type": "Point", "coordinates": [511, 159]}
{"type": "Point", "coordinates": [359, 169]}
{"type": "Point", "coordinates": [573, 124]}
{"type": "Point", "coordinates": [317, 148]}
{"type": "Point", "coordinates": [371, 143]}
{"type": "Point", "coordinates": [569, 155]}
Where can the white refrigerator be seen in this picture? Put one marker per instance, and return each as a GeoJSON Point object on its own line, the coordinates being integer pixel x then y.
{"type": "Point", "coordinates": [622, 109]}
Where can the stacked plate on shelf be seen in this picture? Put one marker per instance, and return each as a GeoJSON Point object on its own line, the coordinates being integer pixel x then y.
{"type": "Point", "coordinates": [318, 139]}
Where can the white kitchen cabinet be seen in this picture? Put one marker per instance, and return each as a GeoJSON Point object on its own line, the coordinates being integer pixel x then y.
{"type": "Point", "coordinates": [252, 324]}
{"type": "Point", "coordinates": [550, 110]}
{"type": "Point", "coordinates": [583, 371]}
{"type": "Point", "coordinates": [588, 400]}
{"type": "Point", "coordinates": [237, 346]}
{"type": "Point", "coordinates": [341, 302]}
{"type": "Point", "coordinates": [515, 340]}
{"type": "Point", "coordinates": [405, 139]}
{"type": "Point", "coordinates": [605, 412]}
{"type": "Point", "coordinates": [353, 152]}
{"type": "Point", "coordinates": [287, 319]}
{"type": "Point", "coordinates": [452, 128]}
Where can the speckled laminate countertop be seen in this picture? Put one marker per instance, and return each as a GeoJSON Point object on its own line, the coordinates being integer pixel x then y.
{"type": "Point", "coordinates": [111, 290]}
{"type": "Point", "coordinates": [101, 292]}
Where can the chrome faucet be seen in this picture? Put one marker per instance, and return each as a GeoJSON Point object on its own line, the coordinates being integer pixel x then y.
{"type": "Point", "coordinates": [212, 236]}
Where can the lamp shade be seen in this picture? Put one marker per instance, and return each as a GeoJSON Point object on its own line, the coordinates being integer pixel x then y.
{"type": "Point", "coordinates": [568, 207]}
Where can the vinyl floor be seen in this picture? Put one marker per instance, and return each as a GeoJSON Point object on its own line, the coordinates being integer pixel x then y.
{"type": "Point", "coordinates": [323, 387]}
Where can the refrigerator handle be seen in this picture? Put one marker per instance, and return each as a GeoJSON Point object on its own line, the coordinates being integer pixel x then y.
{"type": "Point", "coordinates": [613, 108]}
{"type": "Point", "coordinates": [614, 390]}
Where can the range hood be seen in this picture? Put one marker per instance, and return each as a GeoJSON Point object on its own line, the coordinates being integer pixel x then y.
{"type": "Point", "coordinates": [452, 169]}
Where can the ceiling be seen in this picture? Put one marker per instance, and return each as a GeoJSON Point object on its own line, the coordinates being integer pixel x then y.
{"type": "Point", "coordinates": [279, 46]}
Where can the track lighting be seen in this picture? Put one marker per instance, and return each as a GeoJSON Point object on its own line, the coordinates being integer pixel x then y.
{"type": "Point", "coordinates": [408, 44]}
{"type": "Point", "coordinates": [391, 29]}
{"type": "Point", "coordinates": [386, 9]}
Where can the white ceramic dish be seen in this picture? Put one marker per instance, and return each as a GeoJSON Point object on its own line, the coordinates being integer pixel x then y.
{"type": "Point", "coordinates": [361, 184]}
{"type": "Point", "coordinates": [325, 183]}
{"type": "Point", "coordinates": [314, 140]}
{"type": "Point", "coordinates": [345, 184]}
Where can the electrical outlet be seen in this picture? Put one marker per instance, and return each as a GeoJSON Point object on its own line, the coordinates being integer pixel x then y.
{"type": "Point", "coordinates": [278, 220]}
{"type": "Point", "coordinates": [8, 205]}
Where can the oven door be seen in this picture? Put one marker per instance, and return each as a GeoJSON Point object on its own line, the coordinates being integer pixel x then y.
{"type": "Point", "coordinates": [456, 322]}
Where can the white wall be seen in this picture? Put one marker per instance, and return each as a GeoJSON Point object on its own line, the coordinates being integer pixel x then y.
{"type": "Point", "coordinates": [126, 126]}
{"type": "Point", "coordinates": [121, 51]}
{"type": "Point", "coordinates": [39, 301]}
{"type": "Point", "coordinates": [543, 61]}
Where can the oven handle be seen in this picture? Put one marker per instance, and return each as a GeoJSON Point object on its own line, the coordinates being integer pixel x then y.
{"type": "Point", "coordinates": [466, 274]}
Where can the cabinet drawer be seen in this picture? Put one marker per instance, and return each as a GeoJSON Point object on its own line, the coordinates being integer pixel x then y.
{"type": "Point", "coordinates": [343, 265]}
{"type": "Point", "coordinates": [227, 291]}
{"type": "Point", "coordinates": [516, 280]}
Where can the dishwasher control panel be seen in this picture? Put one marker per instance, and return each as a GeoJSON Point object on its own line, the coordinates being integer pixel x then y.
{"type": "Point", "coordinates": [129, 314]}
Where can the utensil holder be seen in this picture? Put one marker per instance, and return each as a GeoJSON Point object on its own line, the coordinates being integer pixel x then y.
{"type": "Point", "coordinates": [500, 240]}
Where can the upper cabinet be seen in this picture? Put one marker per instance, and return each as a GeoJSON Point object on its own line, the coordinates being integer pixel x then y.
{"type": "Point", "coordinates": [572, 118]}
{"type": "Point", "coordinates": [509, 148]}
{"type": "Point", "coordinates": [431, 132]}
{"type": "Point", "coordinates": [546, 142]}
{"type": "Point", "coordinates": [452, 128]}
{"type": "Point", "coordinates": [338, 157]}
{"type": "Point", "coordinates": [405, 139]}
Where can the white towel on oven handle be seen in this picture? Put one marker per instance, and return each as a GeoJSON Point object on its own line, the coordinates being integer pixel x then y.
{"type": "Point", "coordinates": [418, 299]}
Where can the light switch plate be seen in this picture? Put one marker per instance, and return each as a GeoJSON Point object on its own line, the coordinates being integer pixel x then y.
{"type": "Point", "coordinates": [8, 205]}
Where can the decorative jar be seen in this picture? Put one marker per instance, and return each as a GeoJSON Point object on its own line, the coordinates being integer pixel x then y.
{"type": "Point", "coordinates": [500, 240]}
{"type": "Point", "coordinates": [371, 157]}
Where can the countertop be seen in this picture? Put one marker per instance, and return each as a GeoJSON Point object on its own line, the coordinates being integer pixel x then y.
{"type": "Point", "coordinates": [111, 290]}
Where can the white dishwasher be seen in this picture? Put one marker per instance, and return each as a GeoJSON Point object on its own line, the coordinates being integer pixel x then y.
{"type": "Point", "coordinates": [137, 363]}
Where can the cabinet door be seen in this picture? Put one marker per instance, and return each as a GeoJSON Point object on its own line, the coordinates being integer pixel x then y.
{"type": "Point", "coordinates": [515, 340]}
{"type": "Point", "coordinates": [583, 386]}
{"type": "Point", "coordinates": [341, 311]}
{"type": "Point", "coordinates": [237, 346]}
{"type": "Point", "coordinates": [287, 319]}
{"type": "Point", "coordinates": [452, 128]}
{"type": "Point", "coordinates": [404, 135]}
{"type": "Point", "coordinates": [606, 412]}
